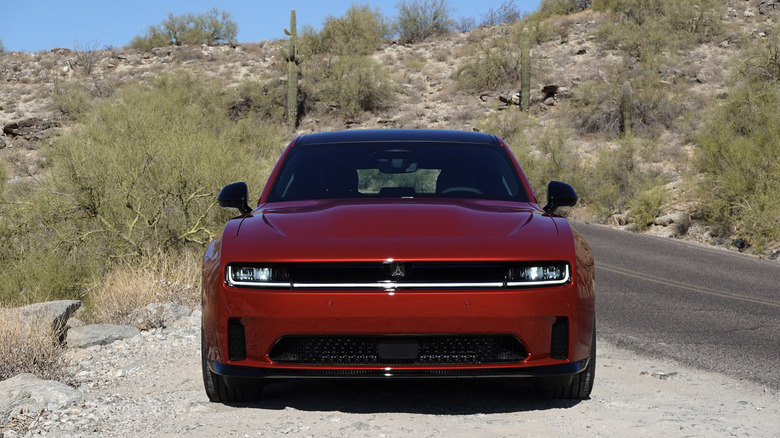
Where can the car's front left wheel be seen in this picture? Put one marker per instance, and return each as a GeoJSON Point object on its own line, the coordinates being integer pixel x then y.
{"type": "Point", "coordinates": [579, 386]}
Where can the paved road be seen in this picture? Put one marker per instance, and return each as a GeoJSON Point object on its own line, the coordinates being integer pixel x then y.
{"type": "Point", "coordinates": [709, 308]}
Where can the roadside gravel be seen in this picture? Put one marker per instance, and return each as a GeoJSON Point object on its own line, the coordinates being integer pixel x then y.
{"type": "Point", "coordinates": [151, 385]}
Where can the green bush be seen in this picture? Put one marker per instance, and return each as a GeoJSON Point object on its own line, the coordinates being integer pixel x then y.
{"type": "Point", "coordinates": [489, 67]}
{"type": "Point", "coordinates": [645, 206]}
{"type": "Point", "coordinates": [645, 30]}
{"type": "Point", "coordinates": [212, 27]}
{"type": "Point", "coordinates": [419, 19]}
{"type": "Point", "coordinates": [359, 32]}
{"type": "Point", "coordinates": [740, 189]}
{"type": "Point", "coordinates": [607, 184]}
{"type": "Point", "coordinates": [656, 104]}
{"type": "Point", "coordinates": [548, 8]}
{"type": "Point", "coordinates": [355, 84]}
{"type": "Point", "coordinates": [140, 175]}
{"type": "Point", "coordinates": [762, 57]}
{"type": "Point", "coordinates": [71, 99]}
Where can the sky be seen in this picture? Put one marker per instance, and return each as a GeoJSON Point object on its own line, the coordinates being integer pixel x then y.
{"type": "Point", "coordinates": [36, 25]}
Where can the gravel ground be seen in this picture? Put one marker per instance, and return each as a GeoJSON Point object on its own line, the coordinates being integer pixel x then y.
{"type": "Point", "coordinates": [151, 385]}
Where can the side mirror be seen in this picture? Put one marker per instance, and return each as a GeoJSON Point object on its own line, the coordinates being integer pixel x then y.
{"type": "Point", "coordinates": [559, 195]}
{"type": "Point", "coordinates": [235, 195]}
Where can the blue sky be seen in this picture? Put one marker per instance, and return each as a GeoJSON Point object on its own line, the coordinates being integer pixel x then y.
{"type": "Point", "coordinates": [33, 25]}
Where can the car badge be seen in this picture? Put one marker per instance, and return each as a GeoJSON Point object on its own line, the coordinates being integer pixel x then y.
{"type": "Point", "coordinates": [397, 270]}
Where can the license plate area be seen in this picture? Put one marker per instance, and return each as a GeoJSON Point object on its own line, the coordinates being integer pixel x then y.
{"type": "Point", "coordinates": [398, 349]}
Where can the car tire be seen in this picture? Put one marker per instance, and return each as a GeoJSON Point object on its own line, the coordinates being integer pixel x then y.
{"type": "Point", "coordinates": [579, 386]}
{"type": "Point", "coordinates": [216, 388]}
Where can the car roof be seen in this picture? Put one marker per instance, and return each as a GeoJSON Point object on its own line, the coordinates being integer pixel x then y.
{"type": "Point", "coordinates": [397, 135]}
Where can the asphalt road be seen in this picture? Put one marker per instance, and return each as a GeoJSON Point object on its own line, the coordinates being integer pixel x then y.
{"type": "Point", "coordinates": [708, 308]}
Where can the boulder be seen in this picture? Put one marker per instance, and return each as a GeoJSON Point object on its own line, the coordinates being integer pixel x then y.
{"type": "Point", "coordinates": [29, 394]}
{"type": "Point", "coordinates": [99, 334]}
{"type": "Point", "coordinates": [57, 312]}
{"type": "Point", "coordinates": [30, 129]}
{"type": "Point", "coordinates": [158, 315]}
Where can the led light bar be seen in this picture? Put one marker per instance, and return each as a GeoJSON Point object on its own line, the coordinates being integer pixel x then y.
{"type": "Point", "coordinates": [541, 274]}
{"type": "Point", "coordinates": [256, 276]}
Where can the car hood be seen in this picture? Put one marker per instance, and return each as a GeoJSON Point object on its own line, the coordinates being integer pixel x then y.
{"type": "Point", "coordinates": [381, 229]}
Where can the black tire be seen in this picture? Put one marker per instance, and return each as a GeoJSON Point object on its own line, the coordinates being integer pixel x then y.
{"type": "Point", "coordinates": [215, 386]}
{"type": "Point", "coordinates": [580, 385]}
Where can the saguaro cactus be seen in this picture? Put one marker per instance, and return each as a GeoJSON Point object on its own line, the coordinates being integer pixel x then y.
{"type": "Point", "coordinates": [292, 73]}
{"type": "Point", "coordinates": [625, 107]}
{"type": "Point", "coordinates": [525, 72]}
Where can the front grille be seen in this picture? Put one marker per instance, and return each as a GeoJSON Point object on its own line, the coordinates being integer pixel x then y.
{"type": "Point", "coordinates": [422, 272]}
{"type": "Point", "coordinates": [398, 350]}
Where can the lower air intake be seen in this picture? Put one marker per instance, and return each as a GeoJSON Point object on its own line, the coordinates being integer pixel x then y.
{"type": "Point", "coordinates": [236, 340]}
{"type": "Point", "coordinates": [398, 350]}
{"type": "Point", "coordinates": [559, 345]}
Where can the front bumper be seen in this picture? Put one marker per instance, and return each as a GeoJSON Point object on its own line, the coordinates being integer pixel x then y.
{"type": "Point", "coordinates": [267, 316]}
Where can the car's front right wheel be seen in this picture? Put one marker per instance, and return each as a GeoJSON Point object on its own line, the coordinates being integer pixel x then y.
{"type": "Point", "coordinates": [217, 390]}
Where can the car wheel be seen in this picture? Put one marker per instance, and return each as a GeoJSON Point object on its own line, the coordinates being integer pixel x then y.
{"type": "Point", "coordinates": [580, 385]}
{"type": "Point", "coordinates": [215, 386]}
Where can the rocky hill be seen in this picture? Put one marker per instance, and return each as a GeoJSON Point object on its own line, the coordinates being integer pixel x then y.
{"type": "Point", "coordinates": [564, 66]}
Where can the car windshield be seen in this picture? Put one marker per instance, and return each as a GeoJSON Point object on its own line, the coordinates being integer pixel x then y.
{"type": "Point", "coordinates": [397, 170]}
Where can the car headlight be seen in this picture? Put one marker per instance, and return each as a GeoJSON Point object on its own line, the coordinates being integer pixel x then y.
{"type": "Point", "coordinates": [539, 274]}
{"type": "Point", "coordinates": [257, 276]}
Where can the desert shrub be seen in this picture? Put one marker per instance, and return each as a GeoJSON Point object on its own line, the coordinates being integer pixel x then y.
{"type": "Point", "coordinates": [131, 285]}
{"type": "Point", "coordinates": [489, 67]}
{"type": "Point", "coordinates": [657, 104]}
{"type": "Point", "coordinates": [358, 32]}
{"type": "Point", "coordinates": [740, 189]}
{"type": "Point", "coordinates": [506, 13]}
{"type": "Point", "coordinates": [28, 345]}
{"type": "Point", "coordinates": [609, 183]}
{"type": "Point", "coordinates": [71, 99]}
{"type": "Point", "coordinates": [419, 19]}
{"type": "Point", "coordinates": [645, 206]}
{"type": "Point", "coordinates": [212, 27]}
{"type": "Point", "coordinates": [265, 100]}
{"type": "Point", "coordinates": [2, 47]}
{"type": "Point", "coordinates": [355, 84]}
{"type": "Point", "coordinates": [761, 57]}
{"type": "Point", "coordinates": [87, 56]}
{"type": "Point", "coordinates": [140, 173]}
{"type": "Point", "coordinates": [548, 8]}
{"type": "Point", "coordinates": [645, 30]}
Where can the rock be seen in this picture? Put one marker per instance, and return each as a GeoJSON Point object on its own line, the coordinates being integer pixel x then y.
{"type": "Point", "coordinates": [158, 315]}
{"type": "Point", "coordinates": [29, 394]}
{"type": "Point", "coordinates": [669, 219]}
{"type": "Point", "coordinates": [99, 334]}
{"type": "Point", "coordinates": [57, 312]}
{"type": "Point", "coordinates": [75, 322]}
{"type": "Point", "coordinates": [29, 129]}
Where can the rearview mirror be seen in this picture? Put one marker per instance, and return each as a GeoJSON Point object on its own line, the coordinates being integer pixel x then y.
{"type": "Point", "coordinates": [559, 195]}
{"type": "Point", "coordinates": [235, 195]}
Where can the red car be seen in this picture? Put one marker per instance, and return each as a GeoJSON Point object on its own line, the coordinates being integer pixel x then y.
{"type": "Point", "coordinates": [398, 253]}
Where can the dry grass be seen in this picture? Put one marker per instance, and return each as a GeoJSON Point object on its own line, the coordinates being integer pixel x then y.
{"type": "Point", "coordinates": [28, 345]}
{"type": "Point", "coordinates": [129, 286]}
